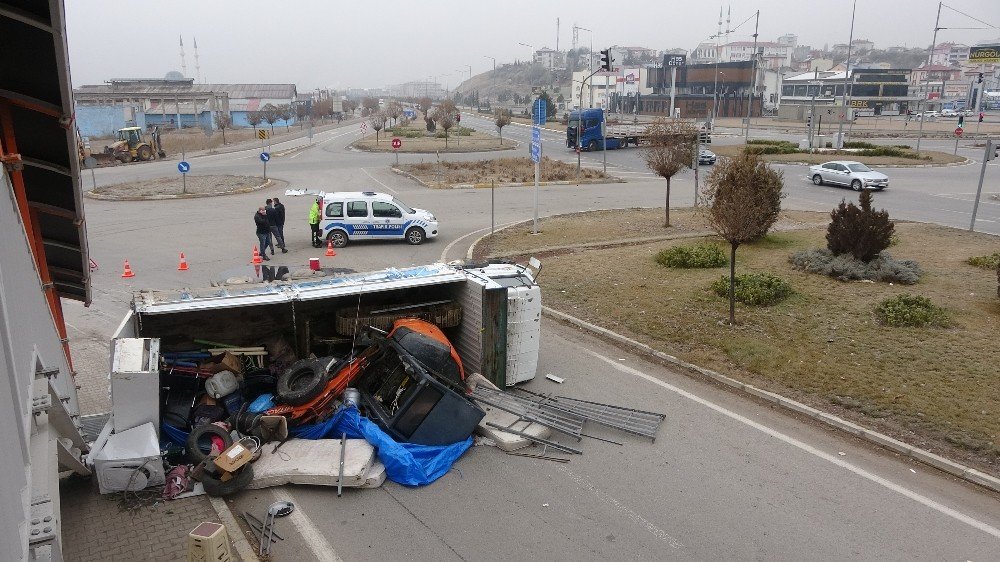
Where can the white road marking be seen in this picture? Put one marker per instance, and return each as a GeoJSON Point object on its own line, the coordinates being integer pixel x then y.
{"type": "Point", "coordinates": [312, 536]}
{"type": "Point", "coordinates": [444, 254]}
{"type": "Point", "coordinates": [378, 182]}
{"type": "Point", "coordinates": [923, 500]}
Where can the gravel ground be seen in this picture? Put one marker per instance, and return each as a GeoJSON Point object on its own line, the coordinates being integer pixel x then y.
{"type": "Point", "coordinates": [196, 185]}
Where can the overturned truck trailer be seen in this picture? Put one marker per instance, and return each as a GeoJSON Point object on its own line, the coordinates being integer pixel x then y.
{"type": "Point", "coordinates": [492, 314]}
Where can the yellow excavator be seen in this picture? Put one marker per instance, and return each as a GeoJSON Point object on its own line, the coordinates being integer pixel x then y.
{"type": "Point", "coordinates": [131, 145]}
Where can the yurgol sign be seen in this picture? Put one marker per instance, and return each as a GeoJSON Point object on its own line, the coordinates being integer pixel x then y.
{"type": "Point", "coordinates": [987, 54]}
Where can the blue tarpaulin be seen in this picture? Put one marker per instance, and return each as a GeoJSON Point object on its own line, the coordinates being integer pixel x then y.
{"type": "Point", "coordinates": [405, 463]}
{"type": "Point", "coordinates": [408, 464]}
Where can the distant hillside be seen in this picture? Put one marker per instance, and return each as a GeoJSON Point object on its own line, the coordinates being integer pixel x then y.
{"type": "Point", "coordinates": [512, 80]}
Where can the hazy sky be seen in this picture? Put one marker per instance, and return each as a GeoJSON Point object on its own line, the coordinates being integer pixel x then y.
{"type": "Point", "coordinates": [374, 43]}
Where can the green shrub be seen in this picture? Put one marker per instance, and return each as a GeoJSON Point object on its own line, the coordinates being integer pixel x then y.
{"type": "Point", "coordinates": [859, 230]}
{"type": "Point", "coordinates": [991, 261]}
{"type": "Point", "coordinates": [846, 267]}
{"type": "Point", "coordinates": [894, 151]}
{"type": "Point", "coordinates": [699, 256]}
{"type": "Point", "coordinates": [910, 310]}
{"type": "Point", "coordinates": [767, 141]}
{"type": "Point", "coordinates": [859, 144]}
{"type": "Point", "coordinates": [772, 147]}
{"type": "Point", "coordinates": [755, 289]}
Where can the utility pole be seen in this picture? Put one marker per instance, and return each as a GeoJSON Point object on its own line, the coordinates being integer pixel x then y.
{"type": "Point", "coordinates": [847, 73]}
{"type": "Point", "coordinates": [927, 77]}
{"type": "Point", "coordinates": [753, 76]}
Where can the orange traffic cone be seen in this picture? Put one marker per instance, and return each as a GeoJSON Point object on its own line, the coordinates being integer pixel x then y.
{"type": "Point", "coordinates": [183, 265]}
{"type": "Point", "coordinates": [256, 257]}
{"type": "Point", "coordinates": [128, 271]}
{"type": "Point", "coordinates": [329, 249]}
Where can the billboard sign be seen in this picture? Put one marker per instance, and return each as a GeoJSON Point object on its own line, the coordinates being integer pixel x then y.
{"type": "Point", "coordinates": [674, 60]}
{"type": "Point", "coordinates": [985, 54]}
{"type": "Point", "coordinates": [628, 82]}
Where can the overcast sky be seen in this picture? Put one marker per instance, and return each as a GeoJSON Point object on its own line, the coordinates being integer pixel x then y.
{"type": "Point", "coordinates": [374, 43]}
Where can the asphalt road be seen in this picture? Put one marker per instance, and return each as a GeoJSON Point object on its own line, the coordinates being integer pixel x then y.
{"type": "Point", "coordinates": [727, 477]}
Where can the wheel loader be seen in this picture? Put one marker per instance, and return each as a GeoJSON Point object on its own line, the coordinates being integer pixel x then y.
{"type": "Point", "coordinates": [131, 145]}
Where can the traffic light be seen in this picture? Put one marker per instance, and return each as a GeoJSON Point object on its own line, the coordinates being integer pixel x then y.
{"type": "Point", "coordinates": [606, 60]}
{"type": "Point", "coordinates": [809, 122]}
{"type": "Point", "coordinates": [980, 80]}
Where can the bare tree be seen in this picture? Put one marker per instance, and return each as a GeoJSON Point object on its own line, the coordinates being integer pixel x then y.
{"type": "Point", "coordinates": [349, 105]}
{"type": "Point", "coordinates": [254, 118]}
{"type": "Point", "coordinates": [445, 118]}
{"type": "Point", "coordinates": [369, 106]}
{"type": "Point", "coordinates": [377, 121]}
{"type": "Point", "coordinates": [285, 113]}
{"type": "Point", "coordinates": [744, 195]}
{"type": "Point", "coordinates": [270, 114]}
{"type": "Point", "coordinates": [672, 143]}
{"type": "Point", "coordinates": [394, 110]}
{"type": "Point", "coordinates": [301, 113]}
{"type": "Point", "coordinates": [222, 122]}
{"type": "Point", "coordinates": [424, 104]}
{"type": "Point", "coordinates": [501, 118]}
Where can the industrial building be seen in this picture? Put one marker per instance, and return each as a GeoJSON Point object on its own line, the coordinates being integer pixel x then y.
{"type": "Point", "coordinates": [173, 102]}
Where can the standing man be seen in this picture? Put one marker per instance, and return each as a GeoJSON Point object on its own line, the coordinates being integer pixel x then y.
{"type": "Point", "coordinates": [272, 223]}
{"type": "Point", "coordinates": [263, 232]}
{"type": "Point", "coordinates": [279, 222]}
{"type": "Point", "coordinates": [314, 214]}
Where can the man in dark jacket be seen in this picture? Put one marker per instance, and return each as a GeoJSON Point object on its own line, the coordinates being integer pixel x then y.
{"type": "Point", "coordinates": [272, 223]}
{"type": "Point", "coordinates": [263, 232]}
{"type": "Point", "coordinates": [279, 222]}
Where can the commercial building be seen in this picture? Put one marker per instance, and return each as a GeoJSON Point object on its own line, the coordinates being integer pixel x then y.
{"type": "Point", "coordinates": [870, 91]}
{"type": "Point", "coordinates": [550, 58]}
{"type": "Point", "coordinates": [173, 101]}
{"type": "Point", "coordinates": [700, 87]}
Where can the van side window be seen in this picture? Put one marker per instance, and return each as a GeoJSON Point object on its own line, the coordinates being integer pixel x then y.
{"type": "Point", "coordinates": [357, 209]}
{"type": "Point", "coordinates": [335, 209]}
{"type": "Point", "coordinates": [383, 210]}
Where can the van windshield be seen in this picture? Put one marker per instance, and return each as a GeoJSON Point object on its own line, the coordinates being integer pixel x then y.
{"type": "Point", "coordinates": [406, 209]}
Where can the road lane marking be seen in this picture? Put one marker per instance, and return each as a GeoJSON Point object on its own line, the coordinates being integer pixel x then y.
{"type": "Point", "coordinates": [378, 182]}
{"type": "Point", "coordinates": [312, 536]}
{"type": "Point", "coordinates": [923, 500]}
{"type": "Point", "coordinates": [444, 254]}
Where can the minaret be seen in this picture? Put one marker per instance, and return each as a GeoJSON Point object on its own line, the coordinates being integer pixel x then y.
{"type": "Point", "coordinates": [197, 67]}
{"type": "Point", "coordinates": [184, 68]}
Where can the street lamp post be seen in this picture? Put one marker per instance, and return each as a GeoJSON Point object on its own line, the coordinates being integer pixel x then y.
{"type": "Point", "coordinates": [927, 77]}
{"type": "Point", "coordinates": [590, 66]}
{"type": "Point", "coordinates": [494, 76]}
{"type": "Point", "coordinates": [753, 77]}
{"type": "Point", "coordinates": [847, 74]}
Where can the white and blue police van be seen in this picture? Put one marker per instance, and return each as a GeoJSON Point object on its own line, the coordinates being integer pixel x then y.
{"type": "Point", "coordinates": [367, 215]}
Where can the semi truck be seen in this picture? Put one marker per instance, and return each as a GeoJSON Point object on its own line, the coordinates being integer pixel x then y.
{"type": "Point", "coordinates": [592, 136]}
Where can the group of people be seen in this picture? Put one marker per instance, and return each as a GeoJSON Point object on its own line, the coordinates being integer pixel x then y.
{"type": "Point", "coordinates": [270, 221]}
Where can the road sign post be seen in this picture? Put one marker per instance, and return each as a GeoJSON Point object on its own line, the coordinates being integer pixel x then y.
{"type": "Point", "coordinates": [396, 144]}
{"type": "Point", "coordinates": [264, 157]}
{"type": "Point", "coordinates": [958, 135]}
{"type": "Point", "coordinates": [536, 155]}
{"type": "Point", "coordinates": [987, 156]}
{"type": "Point", "coordinates": [183, 167]}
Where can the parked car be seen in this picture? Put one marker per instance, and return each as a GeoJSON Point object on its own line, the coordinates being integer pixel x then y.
{"type": "Point", "coordinates": [706, 156]}
{"type": "Point", "coordinates": [848, 173]}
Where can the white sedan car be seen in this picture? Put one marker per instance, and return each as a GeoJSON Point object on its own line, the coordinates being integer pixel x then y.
{"type": "Point", "coordinates": [855, 175]}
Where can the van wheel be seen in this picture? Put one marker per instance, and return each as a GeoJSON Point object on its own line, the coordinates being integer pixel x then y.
{"type": "Point", "coordinates": [415, 236]}
{"type": "Point", "coordinates": [217, 488]}
{"type": "Point", "coordinates": [818, 179]}
{"type": "Point", "coordinates": [338, 237]}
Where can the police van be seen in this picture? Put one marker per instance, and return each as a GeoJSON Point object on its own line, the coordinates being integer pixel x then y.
{"type": "Point", "coordinates": [367, 215]}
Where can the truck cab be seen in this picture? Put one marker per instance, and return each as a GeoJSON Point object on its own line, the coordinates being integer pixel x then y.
{"type": "Point", "coordinates": [588, 122]}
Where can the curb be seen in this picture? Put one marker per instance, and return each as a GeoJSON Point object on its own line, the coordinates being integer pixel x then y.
{"type": "Point", "coordinates": [965, 162]}
{"type": "Point", "coordinates": [970, 475]}
{"type": "Point", "coordinates": [243, 547]}
{"type": "Point", "coordinates": [240, 191]}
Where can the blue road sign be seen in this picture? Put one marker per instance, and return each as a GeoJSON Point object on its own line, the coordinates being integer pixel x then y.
{"type": "Point", "coordinates": [536, 144]}
{"type": "Point", "coordinates": [536, 152]}
{"type": "Point", "coordinates": [265, 156]}
{"type": "Point", "coordinates": [539, 112]}
{"type": "Point", "coordinates": [183, 167]}
{"type": "Point", "coordinates": [536, 135]}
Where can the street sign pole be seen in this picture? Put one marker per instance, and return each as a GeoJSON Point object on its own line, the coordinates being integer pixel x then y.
{"type": "Point", "coordinates": [536, 155]}
{"type": "Point", "coordinates": [979, 190]}
{"type": "Point", "coordinates": [184, 176]}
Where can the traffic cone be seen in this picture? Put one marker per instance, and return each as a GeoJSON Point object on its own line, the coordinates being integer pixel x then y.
{"type": "Point", "coordinates": [128, 271]}
{"type": "Point", "coordinates": [329, 249]}
{"type": "Point", "coordinates": [183, 265]}
{"type": "Point", "coordinates": [256, 257]}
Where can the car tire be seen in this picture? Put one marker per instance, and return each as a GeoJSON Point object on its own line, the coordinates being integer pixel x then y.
{"type": "Point", "coordinates": [592, 147]}
{"type": "Point", "coordinates": [217, 488]}
{"type": "Point", "coordinates": [197, 436]}
{"type": "Point", "coordinates": [817, 179]}
{"type": "Point", "coordinates": [302, 382]}
{"type": "Point", "coordinates": [415, 236]}
{"type": "Point", "coordinates": [338, 237]}
{"type": "Point", "coordinates": [856, 185]}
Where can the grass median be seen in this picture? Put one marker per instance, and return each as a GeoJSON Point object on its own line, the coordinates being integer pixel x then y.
{"type": "Point", "coordinates": [500, 171]}
{"type": "Point", "coordinates": [937, 388]}
{"type": "Point", "coordinates": [927, 157]}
